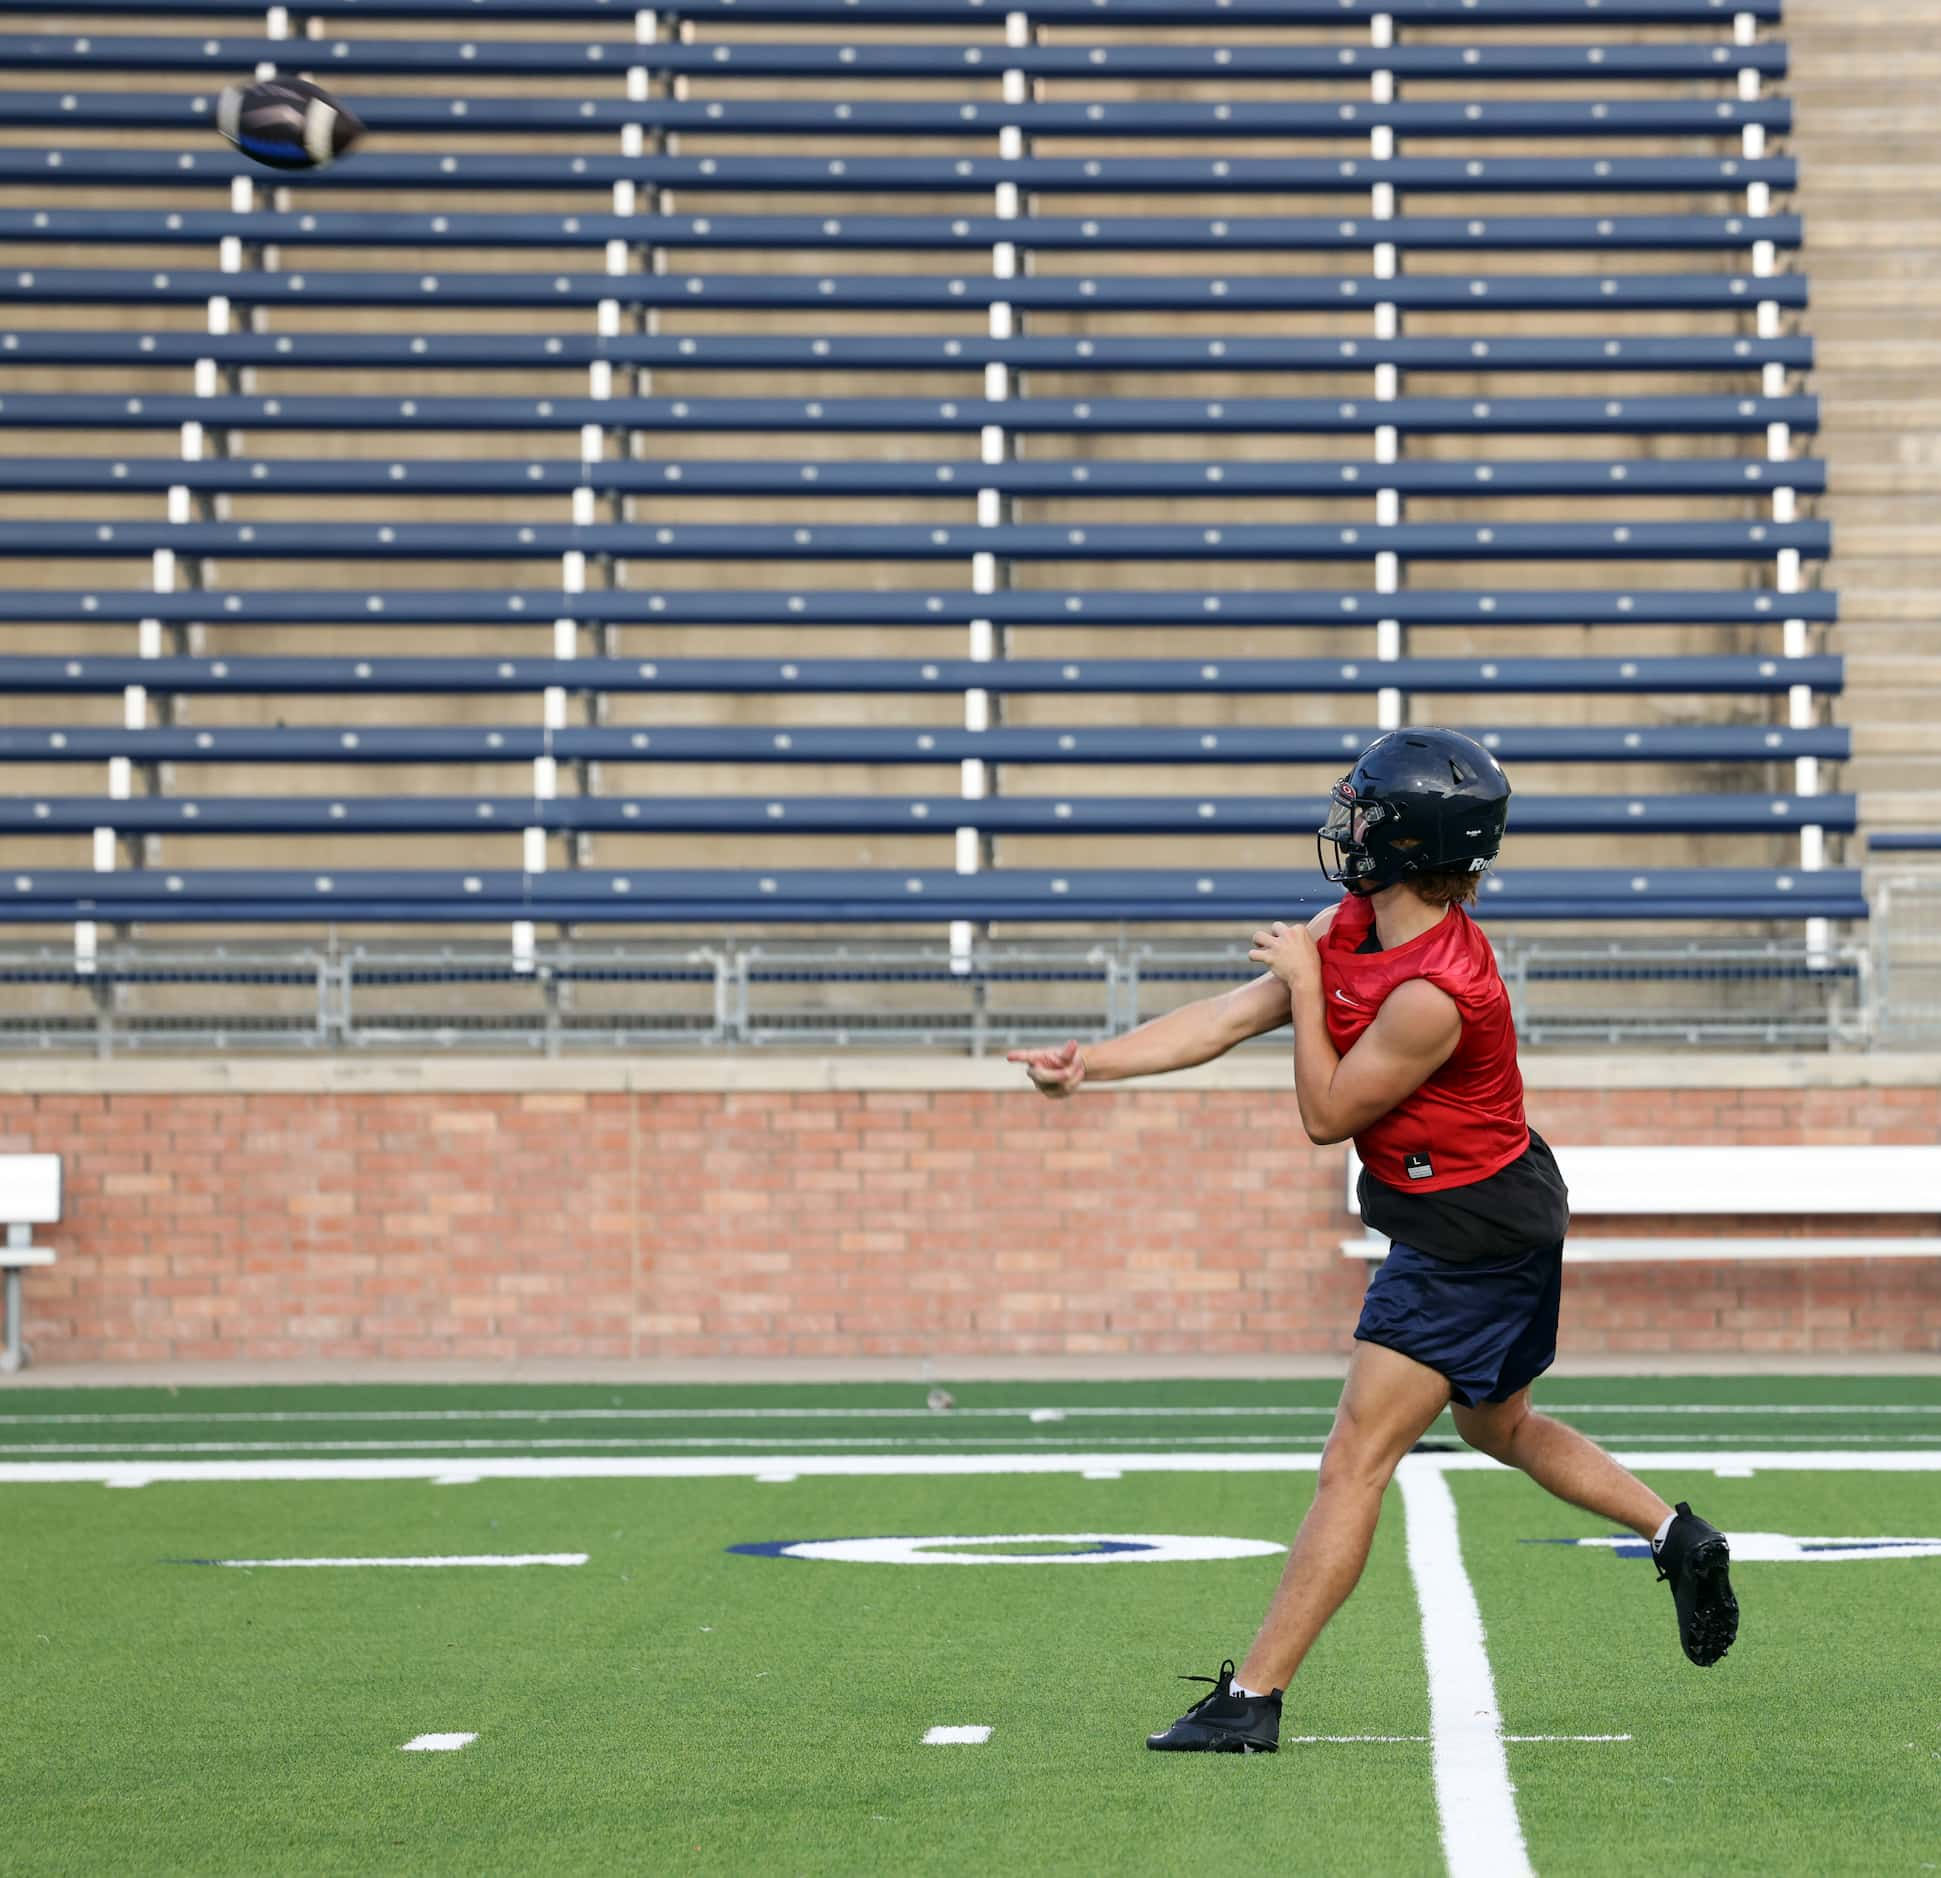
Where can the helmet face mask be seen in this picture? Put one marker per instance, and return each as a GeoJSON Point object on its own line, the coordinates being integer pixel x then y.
{"type": "Point", "coordinates": [1349, 824]}
{"type": "Point", "coordinates": [1416, 802]}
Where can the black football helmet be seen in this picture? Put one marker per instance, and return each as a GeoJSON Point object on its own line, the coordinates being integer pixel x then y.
{"type": "Point", "coordinates": [1417, 802]}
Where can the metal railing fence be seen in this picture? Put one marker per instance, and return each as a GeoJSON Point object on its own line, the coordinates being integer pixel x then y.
{"type": "Point", "coordinates": [347, 996]}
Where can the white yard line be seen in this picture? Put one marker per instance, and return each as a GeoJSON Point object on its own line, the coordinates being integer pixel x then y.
{"type": "Point", "coordinates": [437, 1744]}
{"type": "Point", "coordinates": [435, 1564]}
{"type": "Point", "coordinates": [908, 1466]}
{"type": "Point", "coordinates": [1481, 1835]}
{"type": "Point", "coordinates": [1158, 1412]}
{"type": "Point", "coordinates": [1304, 1741]}
{"type": "Point", "coordinates": [972, 1735]}
{"type": "Point", "coordinates": [585, 1444]}
{"type": "Point", "coordinates": [581, 1444]}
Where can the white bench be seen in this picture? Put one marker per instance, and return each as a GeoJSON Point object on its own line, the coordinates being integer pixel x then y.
{"type": "Point", "coordinates": [30, 1196]}
{"type": "Point", "coordinates": [1817, 1182]}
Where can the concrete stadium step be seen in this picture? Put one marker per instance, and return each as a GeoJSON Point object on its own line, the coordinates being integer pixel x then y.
{"type": "Point", "coordinates": [1896, 739]}
{"type": "Point", "coordinates": [1830, 266]}
{"type": "Point", "coordinates": [1902, 671]}
{"type": "Point", "coordinates": [1872, 638]}
{"type": "Point", "coordinates": [1875, 708]}
{"type": "Point", "coordinates": [1835, 387]}
{"type": "Point", "coordinates": [1900, 808]}
{"type": "Point", "coordinates": [1911, 777]}
{"type": "Point", "coordinates": [1913, 423]}
{"type": "Point", "coordinates": [1879, 539]}
{"type": "Point", "coordinates": [1905, 606]}
{"type": "Point", "coordinates": [1846, 226]}
{"type": "Point", "coordinates": [1833, 186]}
{"type": "Point", "coordinates": [1874, 355]}
{"type": "Point", "coordinates": [1876, 297]}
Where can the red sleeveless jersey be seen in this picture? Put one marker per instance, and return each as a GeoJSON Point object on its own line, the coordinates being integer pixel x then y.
{"type": "Point", "coordinates": [1466, 1121]}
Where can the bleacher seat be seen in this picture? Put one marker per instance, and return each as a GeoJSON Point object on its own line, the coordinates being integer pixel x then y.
{"type": "Point", "coordinates": [1229, 293]}
{"type": "Point", "coordinates": [1052, 12]}
{"type": "Point", "coordinates": [530, 58]}
{"type": "Point", "coordinates": [1042, 815]}
{"type": "Point", "coordinates": [1092, 176]}
{"type": "Point", "coordinates": [1282, 119]}
{"type": "Point", "coordinates": [818, 743]}
{"type": "Point", "coordinates": [1739, 677]}
{"type": "Point", "coordinates": [701, 352]}
{"type": "Point", "coordinates": [944, 234]}
{"type": "Point", "coordinates": [823, 606]}
{"type": "Point", "coordinates": [587, 896]}
{"type": "Point", "coordinates": [712, 476]}
{"type": "Point", "coordinates": [687, 244]}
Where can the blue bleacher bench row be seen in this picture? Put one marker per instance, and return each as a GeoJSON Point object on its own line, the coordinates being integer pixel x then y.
{"type": "Point", "coordinates": [1421, 606]}
{"type": "Point", "coordinates": [1089, 541]}
{"type": "Point", "coordinates": [1280, 119]}
{"type": "Point", "coordinates": [1726, 416]}
{"type": "Point", "coordinates": [822, 743]}
{"type": "Point", "coordinates": [1038, 815]}
{"type": "Point", "coordinates": [1129, 234]}
{"type": "Point", "coordinates": [1167, 677]}
{"type": "Point", "coordinates": [1238, 293]}
{"type": "Point", "coordinates": [364, 895]}
{"type": "Point", "coordinates": [929, 12]}
{"type": "Point", "coordinates": [1643, 476]}
{"type": "Point", "coordinates": [529, 58]}
{"type": "Point", "coordinates": [172, 169]}
{"type": "Point", "coordinates": [895, 353]}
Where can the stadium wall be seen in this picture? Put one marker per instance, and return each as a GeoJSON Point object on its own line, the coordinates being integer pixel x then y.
{"type": "Point", "coordinates": [816, 1207]}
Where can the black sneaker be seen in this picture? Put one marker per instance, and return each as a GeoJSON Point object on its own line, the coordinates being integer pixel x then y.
{"type": "Point", "coordinates": [1223, 1722]}
{"type": "Point", "coordinates": [1695, 1558]}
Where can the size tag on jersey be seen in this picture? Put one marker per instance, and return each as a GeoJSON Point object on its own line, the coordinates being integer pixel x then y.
{"type": "Point", "coordinates": [1419, 1166]}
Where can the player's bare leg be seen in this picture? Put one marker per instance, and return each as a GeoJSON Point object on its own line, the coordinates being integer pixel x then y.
{"type": "Point", "coordinates": [1692, 1555]}
{"type": "Point", "coordinates": [1561, 1461]}
{"type": "Point", "coordinates": [1388, 1401]}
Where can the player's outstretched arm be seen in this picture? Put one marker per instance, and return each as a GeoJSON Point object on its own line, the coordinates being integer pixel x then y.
{"type": "Point", "coordinates": [1195, 1033]}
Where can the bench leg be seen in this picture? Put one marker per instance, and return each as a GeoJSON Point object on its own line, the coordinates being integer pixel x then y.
{"type": "Point", "coordinates": [13, 1357]}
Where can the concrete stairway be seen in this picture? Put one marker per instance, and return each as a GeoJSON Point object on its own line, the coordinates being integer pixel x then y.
{"type": "Point", "coordinates": [1869, 142]}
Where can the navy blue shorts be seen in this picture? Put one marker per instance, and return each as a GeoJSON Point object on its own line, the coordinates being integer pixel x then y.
{"type": "Point", "coordinates": [1490, 1327]}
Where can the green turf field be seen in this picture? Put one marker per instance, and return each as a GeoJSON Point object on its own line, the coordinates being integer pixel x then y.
{"type": "Point", "coordinates": [671, 1705]}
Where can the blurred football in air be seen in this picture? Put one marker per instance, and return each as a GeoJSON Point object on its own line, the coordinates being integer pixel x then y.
{"type": "Point", "coordinates": [287, 123]}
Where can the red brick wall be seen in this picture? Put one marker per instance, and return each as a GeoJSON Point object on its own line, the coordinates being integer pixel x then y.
{"type": "Point", "coordinates": [826, 1224]}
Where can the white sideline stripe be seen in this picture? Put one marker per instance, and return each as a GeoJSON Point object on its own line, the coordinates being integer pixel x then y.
{"type": "Point", "coordinates": [1305, 1741]}
{"type": "Point", "coordinates": [481, 1558]}
{"type": "Point", "coordinates": [1475, 1803]}
{"type": "Point", "coordinates": [911, 1466]}
{"type": "Point", "coordinates": [1161, 1412]}
{"type": "Point", "coordinates": [967, 1737]}
{"type": "Point", "coordinates": [1566, 1737]}
{"type": "Point", "coordinates": [583, 1444]}
{"type": "Point", "coordinates": [437, 1744]}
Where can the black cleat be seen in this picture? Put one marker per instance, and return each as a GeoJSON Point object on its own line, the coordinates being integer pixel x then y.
{"type": "Point", "coordinates": [1695, 1558]}
{"type": "Point", "coordinates": [1223, 1722]}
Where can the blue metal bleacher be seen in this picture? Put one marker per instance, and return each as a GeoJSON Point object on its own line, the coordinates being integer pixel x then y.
{"type": "Point", "coordinates": [695, 270]}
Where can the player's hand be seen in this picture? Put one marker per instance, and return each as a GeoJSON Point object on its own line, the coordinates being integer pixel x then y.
{"type": "Point", "coordinates": [1289, 952]}
{"type": "Point", "coordinates": [1055, 1073]}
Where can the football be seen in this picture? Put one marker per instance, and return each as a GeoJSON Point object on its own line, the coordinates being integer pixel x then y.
{"type": "Point", "coordinates": [287, 123]}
